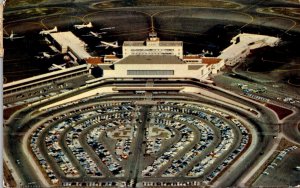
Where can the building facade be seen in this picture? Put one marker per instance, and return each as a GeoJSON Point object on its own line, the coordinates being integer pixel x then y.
{"type": "Point", "coordinates": [153, 46]}
{"type": "Point", "coordinates": [157, 66]}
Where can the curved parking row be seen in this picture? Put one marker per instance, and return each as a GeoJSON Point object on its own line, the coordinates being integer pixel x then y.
{"type": "Point", "coordinates": [231, 141]}
{"type": "Point", "coordinates": [111, 160]}
{"type": "Point", "coordinates": [73, 142]}
{"type": "Point", "coordinates": [156, 135]}
{"type": "Point", "coordinates": [184, 141]}
{"type": "Point", "coordinates": [71, 124]}
{"type": "Point", "coordinates": [200, 142]}
{"type": "Point", "coordinates": [57, 153]}
{"type": "Point", "coordinates": [90, 166]}
{"type": "Point", "coordinates": [207, 140]}
{"type": "Point", "coordinates": [40, 158]}
{"type": "Point", "coordinates": [245, 140]}
{"type": "Point", "coordinates": [227, 139]}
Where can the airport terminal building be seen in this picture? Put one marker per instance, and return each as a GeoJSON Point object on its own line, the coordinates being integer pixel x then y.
{"type": "Point", "coordinates": [155, 66]}
{"type": "Point", "coordinates": [154, 58]}
{"type": "Point", "coordinates": [159, 59]}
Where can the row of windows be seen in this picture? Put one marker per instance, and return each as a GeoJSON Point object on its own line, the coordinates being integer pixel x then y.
{"type": "Point", "coordinates": [192, 61]}
{"type": "Point", "coordinates": [150, 72]}
{"type": "Point", "coordinates": [161, 53]}
{"type": "Point", "coordinates": [147, 50]}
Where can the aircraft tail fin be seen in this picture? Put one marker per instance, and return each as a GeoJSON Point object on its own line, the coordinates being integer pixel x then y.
{"type": "Point", "coordinates": [55, 29]}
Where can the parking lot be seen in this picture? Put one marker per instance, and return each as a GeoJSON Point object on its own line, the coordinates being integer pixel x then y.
{"type": "Point", "coordinates": [283, 170]}
{"type": "Point", "coordinates": [120, 142]}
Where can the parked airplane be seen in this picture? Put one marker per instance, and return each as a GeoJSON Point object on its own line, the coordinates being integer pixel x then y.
{"type": "Point", "coordinates": [47, 41]}
{"type": "Point", "coordinates": [57, 67]}
{"type": "Point", "coordinates": [204, 53]}
{"type": "Point", "coordinates": [12, 36]}
{"type": "Point", "coordinates": [102, 33]}
{"type": "Point", "coordinates": [47, 32]}
{"type": "Point", "coordinates": [54, 49]}
{"type": "Point", "coordinates": [107, 28]}
{"type": "Point", "coordinates": [44, 55]}
{"type": "Point", "coordinates": [89, 25]}
{"type": "Point", "coordinates": [109, 44]}
{"type": "Point", "coordinates": [93, 34]}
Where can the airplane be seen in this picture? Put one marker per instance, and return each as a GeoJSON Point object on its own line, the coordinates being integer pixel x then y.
{"type": "Point", "coordinates": [44, 55]}
{"type": "Point", "coordinates": [54, 49]}
{"type": "Point", "coordinates": [109, 44]}
{"type": "Point", "coordinates": [89, 25]}
{"type": "Point", "coordinates": [57, 67]}
{"type": "Point", "coordinates": [12, 36]}
{"type": "Point", "coordinates": [93, 34]}
{"type": "Point", "coordinates": [107, 28]}
{"type": "Point", "coordinates": [47, 32]}
{"type": "Point", "coordinates": [204, 53]}
{"type": "Point", "coordinates": [102, 33]}
{"type": "Point", "coordinates": [47, 41]}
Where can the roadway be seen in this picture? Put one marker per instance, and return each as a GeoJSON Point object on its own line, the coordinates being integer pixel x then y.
{"type": "Point", "coordinates": [137, 152]}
